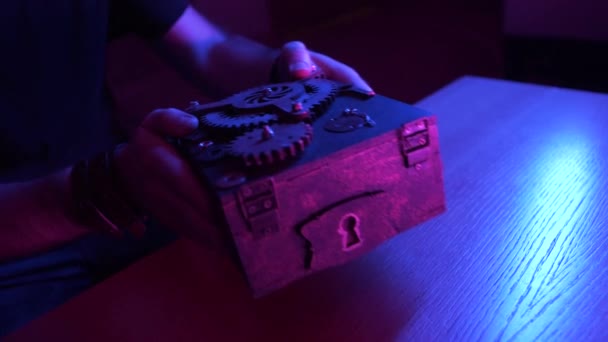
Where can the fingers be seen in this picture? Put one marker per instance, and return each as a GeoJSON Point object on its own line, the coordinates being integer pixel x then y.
{"type": "Point", "coordinates": [340, 72]}
{"type": "Point", "coordinates": [296, 57]}
{"type": "Point", "coordinates": [170, 122]}
{"type": "Point", "coordinates": [299, 62]}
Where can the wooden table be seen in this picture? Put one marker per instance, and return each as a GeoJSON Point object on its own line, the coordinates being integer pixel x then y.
{"type": "Point", "coordinates": [522, 252]}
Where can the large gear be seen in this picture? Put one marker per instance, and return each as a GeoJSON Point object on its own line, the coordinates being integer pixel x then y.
{"type": "Point", "coordinates": [237, 121]}
{"type": "Point", "coordinates": [309, 98]}
{"type": "Point", "coordinates": [254, 100]}
{"type": "Point", "coordinates": [272, 143]}
{"type": "Point", "coordinates": [302, 100]}
{"type": "Point", "coordinates": [273, 96]}
{"type": "Point", "coordinates": [281, 97]}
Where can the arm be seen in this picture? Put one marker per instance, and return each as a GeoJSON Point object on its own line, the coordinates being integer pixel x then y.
{"type": "Point", "coordinates": [34, 216]}
{"type": "Point", "coordinates": [224, 63]}
{"type": "Point", "coordinates": [40, 214]}
{"type": "Point", "coordinates": [221, 63]}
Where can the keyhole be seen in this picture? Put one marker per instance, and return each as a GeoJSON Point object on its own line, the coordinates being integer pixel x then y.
{"type": "Point", "coordinates": [349, 228]}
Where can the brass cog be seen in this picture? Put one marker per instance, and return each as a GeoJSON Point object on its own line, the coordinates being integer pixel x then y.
{"type": "Point", "coordinates": [272, 143]}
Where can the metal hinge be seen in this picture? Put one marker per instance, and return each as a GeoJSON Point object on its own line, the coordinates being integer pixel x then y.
{"type": "Point", "coordinates": [260, 207]}
{"type": "Point", "coordinates": [415, 142]}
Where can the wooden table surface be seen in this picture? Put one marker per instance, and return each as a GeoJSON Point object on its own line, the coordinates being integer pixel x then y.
{"type": "Point", "coordinates": [521, 253]}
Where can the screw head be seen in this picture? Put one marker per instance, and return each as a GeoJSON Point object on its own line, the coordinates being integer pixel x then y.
{"type": "Point", "coordinates": [267, 132]}
{"type": "Point", "coordinates": [205, 144]}
{"type": "Point", "coordinates": [297, 106]}
{"type": "Point", "coordinates": [230, 180]}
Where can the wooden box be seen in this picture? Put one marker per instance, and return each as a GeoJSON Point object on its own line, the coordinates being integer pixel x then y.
{"type": "Point", "coordinates": [344, 193]}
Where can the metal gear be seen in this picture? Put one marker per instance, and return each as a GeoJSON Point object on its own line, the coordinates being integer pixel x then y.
{"type": "Point", "coordinates": [320, 95]}
{"type": "Point", "coordinates": [307, 97]}
{"type": "Point", "coordinates": [272, 143]}
{"type": "Point", "coordinates": [278, 96]}
{"type": "Point", "coordinates": [288, 98]}
{"type": "Point", "coordinates": [258, 99]}
{"type": "Point", "coordinates": [237, 121]}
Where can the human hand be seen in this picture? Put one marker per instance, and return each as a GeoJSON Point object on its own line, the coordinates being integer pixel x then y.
{"type": "Point", "coordinates": [295, 61]}
{"type": "Point", "coordinates": [159, 181]}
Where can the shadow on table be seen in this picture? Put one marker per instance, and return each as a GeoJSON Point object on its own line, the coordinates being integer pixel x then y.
{"type": "Point", "coordinates": [184, 293]}
{"type": "Point", "coordinates": [362, 300]}
{"type": "Point", "coordinates": [355, 302]}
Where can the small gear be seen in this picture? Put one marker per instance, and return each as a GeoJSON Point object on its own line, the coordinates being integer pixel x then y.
{"type": "Point", "coordinates": [237, 121]}
{"type": "Point", "coordinates": [272, 143]}
{"type": "Point", "coordinates": [317, 96]}
{"type": "Point", "coordinates": [320, 95]}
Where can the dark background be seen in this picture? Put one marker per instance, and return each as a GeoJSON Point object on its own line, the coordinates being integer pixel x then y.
{"type": "Point", "coordinates": [405, 49]}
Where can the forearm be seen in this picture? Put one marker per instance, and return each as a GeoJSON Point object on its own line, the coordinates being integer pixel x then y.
{"type": "Point", "coordinates": [235, 64]}
{"type": "Point", "coordinates": [219, 62]}
{"type": "Point", "coordinates": [35, 216]}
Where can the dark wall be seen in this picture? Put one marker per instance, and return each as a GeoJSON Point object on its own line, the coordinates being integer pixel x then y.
{"type": "Point", "coordinates": [560, 19]}
{"type": "Point", "coordinates": [295, 15]}
{"type": "Point", "coordinates": [251, 18]}
{"type": "Point", "coordinates": [557, 42]}
{"type": "Point", "coordinates": [440, 5]}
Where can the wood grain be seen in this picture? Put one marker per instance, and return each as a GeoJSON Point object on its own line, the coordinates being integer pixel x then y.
{"type": "Point", "coordinates": [521, 254]}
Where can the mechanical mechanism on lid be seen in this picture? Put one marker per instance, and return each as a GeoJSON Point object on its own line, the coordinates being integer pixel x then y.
{"type": "Point", "coordinates": [237, 124]}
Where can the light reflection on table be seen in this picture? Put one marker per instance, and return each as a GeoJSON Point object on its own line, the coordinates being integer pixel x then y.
{"type": "Point", "coordinates": [553, 202]}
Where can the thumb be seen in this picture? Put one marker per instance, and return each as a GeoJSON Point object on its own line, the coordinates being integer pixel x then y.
{"type": "Point", "coordinates": [170, 122]}
{"type": "Point", "coordinates": [297, 58]}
